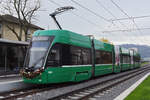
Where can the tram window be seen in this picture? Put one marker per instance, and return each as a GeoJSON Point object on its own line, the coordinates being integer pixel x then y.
{"type": "Point", "coordinates": [86, 56]}
{"type": "Point", "coordinates": [98, 57]}
{"type": "Point", "coordinates": [66, 54]}
{"type": "Point", "coordinates": [136, 59]}
{"type": "Point", "coordinates": [54, 56]}
{"type": "Point", "coordinates": [125, 59]}
{"type": "Point", "coordinates": [63, 54]}
{"type": "Point", "coordinates": [80, 56]}
{"type": "Point", "coordinates": [106, 57]}
{"type": "Point", "coordinates": [103, 57]}
{"type": "Point", "coordinates": [76, 57]}
{"type": "Point", "coordinates": [73, 55]}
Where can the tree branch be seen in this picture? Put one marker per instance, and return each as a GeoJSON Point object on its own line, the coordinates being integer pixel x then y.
{"type": "Point", "coordinates": [25, 11]}
{"type": "Point", "coordinates": [13, 30]}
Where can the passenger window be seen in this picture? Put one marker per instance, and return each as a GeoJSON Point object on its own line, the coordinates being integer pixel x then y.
{"type": "Point", "coordinates": [66, 54]}
{"type": "Point", "coordinates": [126, 59]}
{"type": "Point", "coordinates": [103, 57]}
{"type": "Point", "coordinates": [73, 55]}
{"type": "Point", "coordinates": [76, 58]}
{"type": "Point", "coordinates": [86, 56]}
{"type": "Point", "coordinates": [98, 57]}
{"type": "Point", "coordinates": [54, 56]}
{"type": "Point", "coordinates": [62, 54]}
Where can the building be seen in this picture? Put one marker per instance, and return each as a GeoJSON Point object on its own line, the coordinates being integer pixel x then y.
{"type": "Point", "coordinates": [12, 51]}
{"type": "Point", "coordinates": [11, 21]}
{"type": "Point", "coordinates": [12, 54]}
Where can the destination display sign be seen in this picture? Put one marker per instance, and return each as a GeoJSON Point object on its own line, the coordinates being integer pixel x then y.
{"type": "Point", "coordinates": [40, 38]}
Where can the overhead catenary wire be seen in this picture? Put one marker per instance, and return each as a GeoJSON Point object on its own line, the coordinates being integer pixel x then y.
{"type": "Point", "coordinates": [125, 13]}
{"type": "Point", "coordinates": [81, 17]}
{"type": "Point", "coordinates": [127, 16]}
{"type": "Point", "coordinates": [74, 13]}
{"type": "Point", "coordinates": [54, 2]}
{"type": "Point", "coordinates": [94, 13]}
{"type": "Point", "coordinates": [98, 1]}
{"type": "Point", "coordinates": [86, 20]}
{"type": "Point", "coordinates": [110, 12]}
{"type": "Point", "coordinates": [89, 10]}
{"type": "Point", "coordinates": [125, 30]}
{"type": "Point", "coordinates": [136, 17]}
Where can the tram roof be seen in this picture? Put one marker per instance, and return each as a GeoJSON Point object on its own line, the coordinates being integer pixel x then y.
{"type": "Point", "coordinates": [73, 38]}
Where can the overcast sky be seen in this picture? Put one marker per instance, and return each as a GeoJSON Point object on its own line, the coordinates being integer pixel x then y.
{"type": "Point", "coordinates": [84, 22]}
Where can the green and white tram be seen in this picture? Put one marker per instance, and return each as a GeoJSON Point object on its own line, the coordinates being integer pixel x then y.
{"type": "Point", "coordinates": [57, 56]}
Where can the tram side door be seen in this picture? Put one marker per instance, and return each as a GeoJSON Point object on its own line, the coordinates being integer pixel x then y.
{"type": "Point", "coordinates": [117, 59]}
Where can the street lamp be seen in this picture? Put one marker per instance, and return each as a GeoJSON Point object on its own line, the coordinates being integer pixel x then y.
{"type": "Point", "coordinates": [58, 11]}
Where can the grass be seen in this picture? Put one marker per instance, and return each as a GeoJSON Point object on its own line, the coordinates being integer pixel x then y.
{"type": "Point", "coordinates": [144, 63]}
{"type": "Point", "coordinates": [142, 92]}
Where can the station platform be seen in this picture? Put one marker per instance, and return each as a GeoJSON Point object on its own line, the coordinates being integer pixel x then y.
{"type": "Point", "coordinates": [9, 84]}
{"type": "Point", "coordinates": [8, 78]}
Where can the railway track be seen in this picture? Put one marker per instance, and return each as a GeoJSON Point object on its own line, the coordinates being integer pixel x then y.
{"type": "Point", "coordinates": [19, 93]}
{"type": "Point", "coordinates": [12, 95]}
{"type": "Point", "coordinates": [79, 94]}
{"type": "Point", "coordinates": [96, 91]}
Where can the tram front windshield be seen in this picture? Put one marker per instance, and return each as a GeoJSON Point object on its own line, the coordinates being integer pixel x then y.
{"type": "Point", "coordinates": [37, 51]}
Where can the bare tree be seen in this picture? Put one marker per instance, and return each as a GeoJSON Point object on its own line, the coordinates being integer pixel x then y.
{"type": "Point", "coordinates": [25, 11]}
